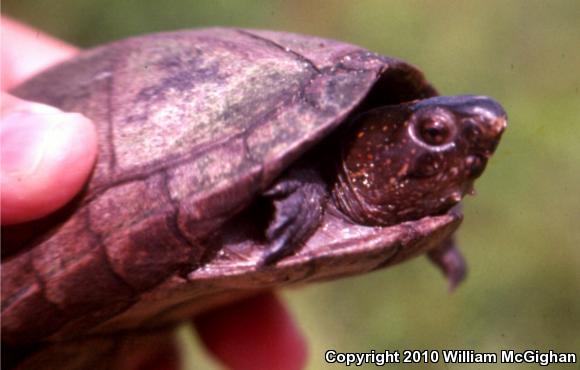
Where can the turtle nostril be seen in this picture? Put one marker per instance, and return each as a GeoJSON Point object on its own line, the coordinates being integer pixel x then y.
{"type": "Point", "coordinates": [471, 131]}
{"type": "Point", "coordinates": [475, 164]}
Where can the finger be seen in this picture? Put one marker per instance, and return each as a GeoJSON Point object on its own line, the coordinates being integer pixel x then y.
{"type": "Point", "coordinates": [26, 51]}
{"type": "Point", "coordinates": [46, 157]}
{"type": "Point", "coordinates": [257, 333]}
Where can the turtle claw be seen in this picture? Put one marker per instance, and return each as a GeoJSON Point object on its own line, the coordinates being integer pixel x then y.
{"type": "Point", "coordinates": [451, 262]}
{"type": "Point", "coordinates": [298, 202]}
{"type": "Point", "coordinates": [276, 252]}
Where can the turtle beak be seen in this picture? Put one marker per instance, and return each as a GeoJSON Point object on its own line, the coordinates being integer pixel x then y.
{"type": "Point", "coordinates": [490, 118]}
{"type": "Point", "coordinates": [498, 125]}
{"type": "Point", "coordinates": [493, 122]}
{"type": "Point", "coordinates": [493, 116]}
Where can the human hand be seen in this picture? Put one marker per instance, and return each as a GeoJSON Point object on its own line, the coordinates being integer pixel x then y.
{"type": "Point", "coordinates": [47, 156]}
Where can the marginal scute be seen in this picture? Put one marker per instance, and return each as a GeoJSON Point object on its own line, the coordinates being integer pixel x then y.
{"type": "Point", "coordinates": [23, 298]}
{"type": "Point", "coordinates": [121, 206]}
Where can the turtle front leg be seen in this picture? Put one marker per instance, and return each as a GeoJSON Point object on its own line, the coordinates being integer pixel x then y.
{"type": "Point", "coordinates": [450, 260]}
{"type": "Point", "coordinates": [298, 199]}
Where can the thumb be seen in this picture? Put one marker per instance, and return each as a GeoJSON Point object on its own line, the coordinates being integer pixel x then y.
{"type": "Point", "coordinates": [46, 156]}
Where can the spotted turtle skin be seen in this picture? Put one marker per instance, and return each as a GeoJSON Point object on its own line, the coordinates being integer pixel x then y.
{"type": "Point", "coordinates": [210, 143]}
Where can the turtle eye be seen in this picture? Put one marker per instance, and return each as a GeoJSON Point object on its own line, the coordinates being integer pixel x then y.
{"type": "Point", "coordinates": [434, 130]}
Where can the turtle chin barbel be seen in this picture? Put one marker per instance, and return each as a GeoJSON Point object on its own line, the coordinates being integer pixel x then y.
{"type": "Point", "coordinates": [210, 184]}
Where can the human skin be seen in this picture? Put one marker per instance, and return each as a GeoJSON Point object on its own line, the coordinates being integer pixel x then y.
{"type": "Point", "coordinates": [47, 156]}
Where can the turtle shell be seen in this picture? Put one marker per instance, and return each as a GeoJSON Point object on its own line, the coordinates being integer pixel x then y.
{"type": "Point", "coordinates": [192, 127]}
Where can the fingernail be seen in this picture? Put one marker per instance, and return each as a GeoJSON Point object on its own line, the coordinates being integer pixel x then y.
{"type": "Point", "coordinates": [25, 134]}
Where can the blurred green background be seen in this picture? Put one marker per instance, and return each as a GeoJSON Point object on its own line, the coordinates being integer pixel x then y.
{"type": "Point", "coordinates": [521, 235]}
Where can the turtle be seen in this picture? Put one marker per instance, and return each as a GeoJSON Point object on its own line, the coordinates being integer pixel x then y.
{"type": "Point", "coordinates": [233, 161]}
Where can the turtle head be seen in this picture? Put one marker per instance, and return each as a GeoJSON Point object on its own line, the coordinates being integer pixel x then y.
{"type": "Point", "coordinates": [407, 161]}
